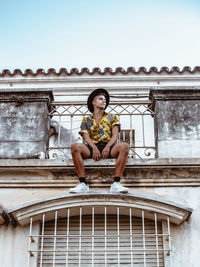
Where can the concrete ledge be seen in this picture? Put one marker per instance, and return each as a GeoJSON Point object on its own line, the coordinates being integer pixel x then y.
{"type": "Point", "coordinates": [132, 163]}
{"type": "Point", "coordinates": [35, 173]}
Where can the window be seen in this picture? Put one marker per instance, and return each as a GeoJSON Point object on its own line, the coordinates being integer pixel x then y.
{"type": "Point", "coordinates": [100, 229]}
{"type": "Point", "coordinates": [108, 236]}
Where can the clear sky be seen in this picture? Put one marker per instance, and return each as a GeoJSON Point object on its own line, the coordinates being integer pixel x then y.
{"type": "Point", "coordinates": [99, 33]}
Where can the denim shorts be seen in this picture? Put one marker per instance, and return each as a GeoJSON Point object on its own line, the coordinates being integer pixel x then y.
{"type": "Point", "coordinates": [100, 146]}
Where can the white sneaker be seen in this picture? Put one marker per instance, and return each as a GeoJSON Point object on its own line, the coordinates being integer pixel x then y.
{"type": "Point", "coordinates": [116, 187]}
{"type": "Point", "coordinates": [80, 188]}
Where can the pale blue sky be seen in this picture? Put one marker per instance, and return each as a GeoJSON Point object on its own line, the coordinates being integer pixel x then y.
{"type": "Point", "coordinates": [92, 33]}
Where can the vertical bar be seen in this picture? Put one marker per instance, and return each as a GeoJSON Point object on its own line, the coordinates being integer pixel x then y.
{"type": "Point", "coordinates": [124, 136]}
{"type": "Point", "coordinates": [156, 232]}
{"type": "Point", "coordinates": [119, 139]}
{"type": "Point", "coordinates": [131, 136]}
{"type": "Point", "coordinates": [131, 132]}
{"type": "Point", "coordinates": [59, 130]}
{"type": "Point", "coordinates": [54, 241]}
{"type": "Point", "coordinates": [67, 241]}
{"type": "Point", "coordinates": [131, 236]}
{"type": "Point", "coordinates": [29, 243]}
{"type": "Point", "coordinates": [143, 234]}
{"type": "Point", "coordinates": [105, 231]}
{"type": "Point", "coordinates": [71, 125]}
{"type": "Point", "coordinates": [42, 240]}
{"type": "Point", "coordinates": [80, 232]}
{"type": "Point", "coordinates": [118, 240]}
{"type": "Point", "coordinates": [143, 134]}
{"type": "Point", "coordinates": [169, 238]}
{"type": "Point", "coordinates": [164, 242]}
{"type": "Point", "coordinates": [92, 236]}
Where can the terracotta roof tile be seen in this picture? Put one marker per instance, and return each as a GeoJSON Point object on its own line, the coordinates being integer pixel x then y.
{"type": "Point", "coordinates": [107, 70]}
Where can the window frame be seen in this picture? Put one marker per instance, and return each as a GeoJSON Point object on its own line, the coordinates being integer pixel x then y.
{"type": "Point", "coordinates": [34, 212]}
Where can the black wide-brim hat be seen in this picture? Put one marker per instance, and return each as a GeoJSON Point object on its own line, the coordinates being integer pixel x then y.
{"type": "Point", "coordinates": [96, 92]}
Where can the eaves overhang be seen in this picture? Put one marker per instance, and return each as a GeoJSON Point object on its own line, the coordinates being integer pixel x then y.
{"type": "Point", "coordinates": [164, 209]}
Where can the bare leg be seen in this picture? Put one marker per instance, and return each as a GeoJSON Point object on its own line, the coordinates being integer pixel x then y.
{"type": "Point", "coordinates": [79, 152]}
{"type": "Point", "coordinates": [120, 152]}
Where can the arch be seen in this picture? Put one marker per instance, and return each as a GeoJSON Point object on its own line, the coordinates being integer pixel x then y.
{"type": "Point", "coordinates": [150, 205]}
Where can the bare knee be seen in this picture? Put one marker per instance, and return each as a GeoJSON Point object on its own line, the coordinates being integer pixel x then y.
{"type": "Point", "coordinates": [75, 147]}
{"type": "Point", "coordinates": [125, 148]}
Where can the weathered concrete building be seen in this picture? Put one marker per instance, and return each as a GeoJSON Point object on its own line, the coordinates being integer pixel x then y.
{"type": "Point", "coordinates": [155, 224]}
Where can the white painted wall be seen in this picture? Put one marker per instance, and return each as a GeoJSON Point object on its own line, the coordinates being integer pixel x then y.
{"type": "Point", "coordinates": [185, 237]}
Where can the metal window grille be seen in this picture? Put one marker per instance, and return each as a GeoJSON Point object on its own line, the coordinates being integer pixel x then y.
{"type": "Point", "coordinates": [96, 238]}
{"type": "Point", "coordinates": [135, 117]}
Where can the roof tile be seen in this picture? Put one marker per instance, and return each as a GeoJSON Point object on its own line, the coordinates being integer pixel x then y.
{"type": "Point", "coordinates": [96, 70]}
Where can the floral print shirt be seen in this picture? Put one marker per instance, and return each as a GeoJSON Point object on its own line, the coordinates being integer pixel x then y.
{"type": "Point", "coordinates": [102, 132]}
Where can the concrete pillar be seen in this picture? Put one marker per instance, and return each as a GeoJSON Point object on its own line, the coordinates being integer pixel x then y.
{"type": "Point", "coordinates": [24, 122]}
{"type": "Point", "coordinates": [177, 121]}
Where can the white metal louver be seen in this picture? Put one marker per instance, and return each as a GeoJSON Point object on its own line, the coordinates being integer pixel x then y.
{"type": "Point", "coordinates": [106, 239]}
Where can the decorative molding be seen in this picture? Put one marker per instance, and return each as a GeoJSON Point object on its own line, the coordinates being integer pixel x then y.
{"type": "Point", "coordinates": [174, 93]}
{"type": "Point", "coordinates": [2, 221]}
{"type": "Point", "coordinates": [150, 205]}
{"type": "Point", "coordinates": [5, 218]}
{"type": "Point", "coordinates": [35, 173]}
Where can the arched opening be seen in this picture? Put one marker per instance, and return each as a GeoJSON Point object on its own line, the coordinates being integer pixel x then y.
{"type": "Point", "coordinates": [100, 229]}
